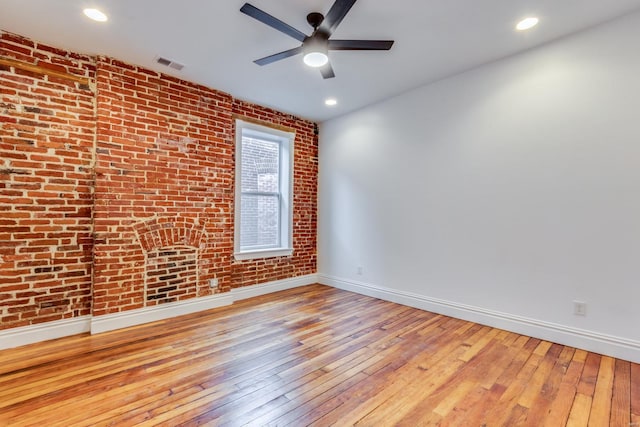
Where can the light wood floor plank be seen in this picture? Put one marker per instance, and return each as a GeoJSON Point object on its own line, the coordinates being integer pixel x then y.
{"type": "Point", "coordinates": [580, 411]}
{"type": "Point", "coordinates": [635, 394]}
{"type": "Point", "coordinates": [601, 409]}
{"type": "Point", "coordinates": [621, 396]}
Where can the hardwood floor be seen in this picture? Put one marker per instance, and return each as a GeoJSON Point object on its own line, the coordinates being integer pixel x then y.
{"type": "Point", "coordinates": [314, 356]}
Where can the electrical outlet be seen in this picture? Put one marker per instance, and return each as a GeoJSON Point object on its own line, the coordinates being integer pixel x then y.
{"type": "Point", "coordinates": [580, 308]}
{"type": "Point", "coordinates": [213, 283]}
{"type": "Point", "coordinates": [359, 270]}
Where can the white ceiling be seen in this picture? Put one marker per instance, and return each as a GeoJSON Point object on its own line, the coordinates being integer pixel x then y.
{"type": "Point", "coordinates": [217, 43]}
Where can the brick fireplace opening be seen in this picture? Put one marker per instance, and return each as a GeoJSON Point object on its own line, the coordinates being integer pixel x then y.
{"type": "Point", "coordinates": [171, 272]}
{"type": "Point", "coordinates": [172, 249]}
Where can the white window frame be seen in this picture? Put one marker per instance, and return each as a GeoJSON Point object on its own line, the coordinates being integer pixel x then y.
{"type": "Point", "coordinates": [285, 139]}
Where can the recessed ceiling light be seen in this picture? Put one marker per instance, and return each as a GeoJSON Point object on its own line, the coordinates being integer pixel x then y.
{"type": "Point", "coordinates": [527, 23]}
{"type": "Point", "coordinates": [95, 14]}
{"type": "Point", "coordinates": [331, 102]}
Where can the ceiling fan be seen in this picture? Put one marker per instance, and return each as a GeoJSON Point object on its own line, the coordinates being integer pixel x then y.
{"type": "Point", "coordinates": [316, 46]}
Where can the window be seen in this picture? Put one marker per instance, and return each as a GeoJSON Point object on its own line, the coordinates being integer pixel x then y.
{"type": "Point", "coordinates": [264, 184]}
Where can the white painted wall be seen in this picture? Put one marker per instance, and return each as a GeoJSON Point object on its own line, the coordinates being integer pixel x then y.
{"type": "Point", "coordinates": [510, 190]}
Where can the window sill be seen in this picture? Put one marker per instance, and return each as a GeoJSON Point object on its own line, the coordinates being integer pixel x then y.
{"type": "Point", "coordinates": [265, 253]}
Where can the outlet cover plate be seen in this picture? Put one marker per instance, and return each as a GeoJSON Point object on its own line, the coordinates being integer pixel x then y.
{"type": "Point", "coordinates": [579, 308]}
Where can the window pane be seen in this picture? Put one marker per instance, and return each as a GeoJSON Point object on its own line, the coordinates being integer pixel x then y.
{"type": "Point", "coordinates": [264, 162]}
{"type": "Point", "coordinates": [260, 221]}
{"type": "Point", "coordinates": [260, 165]}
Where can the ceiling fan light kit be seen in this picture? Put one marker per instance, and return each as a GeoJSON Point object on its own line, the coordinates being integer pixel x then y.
{"type": "Point", "coordinates": [316, 46]}
{"type": "Point", "coordinates": [315, 59]}
{"type": "Point", "coordinates": [315, 52]}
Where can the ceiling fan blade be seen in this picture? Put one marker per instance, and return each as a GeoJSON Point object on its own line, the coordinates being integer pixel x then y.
{"type": "Point", "coordinates": [278, 56]}
{"type": "Point", "coordinates": [360, 44]}
{"type": "Point", "coordinates": [273, 22]}
{"type": "Point", "coordinates": [336, 14]}
{"type": "Point", "coordinates": [327, 71]}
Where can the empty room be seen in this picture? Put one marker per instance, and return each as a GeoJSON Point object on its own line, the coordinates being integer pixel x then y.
{"type": "Point", "coordinates": [329, 212]}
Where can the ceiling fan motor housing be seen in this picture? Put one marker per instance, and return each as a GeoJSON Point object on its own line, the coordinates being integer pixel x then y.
{"type": "Point", "coordinates": [317, 42]}
{"type": "Point", "coordinates": [315, 19]}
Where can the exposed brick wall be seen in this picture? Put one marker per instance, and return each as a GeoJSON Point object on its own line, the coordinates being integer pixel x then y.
{"type": "Point", "coordinates": [47, 131]}
{"type": "Point", "coordinates": [144, 164]}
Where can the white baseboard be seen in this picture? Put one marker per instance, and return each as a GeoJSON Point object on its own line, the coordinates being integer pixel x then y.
{"type": "Point", "coordinates": [110, 322]}
{"type": "Point", "coordinates": [588, 340]}
{"type": "Point", "coordinates": [275, 286]}
{"type": "Point", "coordinates": [24, 335]}
{"type": "Point", "coordinates": [621, 348]}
